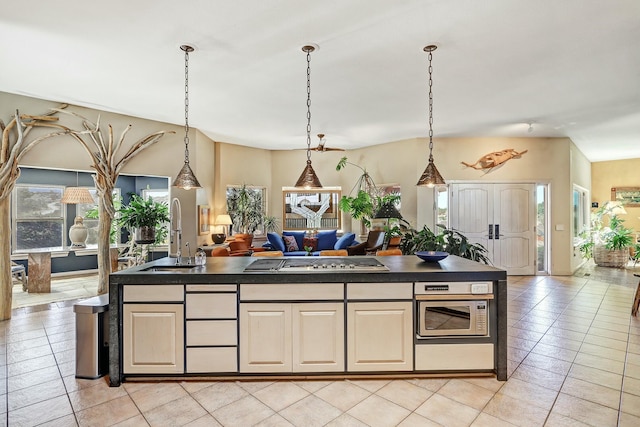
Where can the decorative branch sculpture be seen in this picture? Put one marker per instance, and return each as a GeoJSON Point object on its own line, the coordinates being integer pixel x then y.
{"type": "Point", "coordinates": [14, 146]}
{"type": "Point", "coordinates": [491, 160]}
{"type": "Point", "coordinates": [104, 156]}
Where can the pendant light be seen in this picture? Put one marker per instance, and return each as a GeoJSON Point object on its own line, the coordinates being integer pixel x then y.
{"type": "Point", "coordinates": [308, 179]}
{"type": "Point", "coordinates": [430, 177]}
{"type": "Point", "coordinates": [77, 194]}
{"type": "Point", "coordinates": [186, 179]}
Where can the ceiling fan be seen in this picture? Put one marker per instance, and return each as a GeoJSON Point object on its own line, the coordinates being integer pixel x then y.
{"type": "Point", "coordinates": [321, 147]}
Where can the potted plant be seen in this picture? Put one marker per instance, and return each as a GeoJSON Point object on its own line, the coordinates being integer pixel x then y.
{"type": "Point", "coordinates": [451, 241]}
{"type": "Point", "coordinates": [608, 245]}
{"type": "Point", "coordinates": [147, 218]}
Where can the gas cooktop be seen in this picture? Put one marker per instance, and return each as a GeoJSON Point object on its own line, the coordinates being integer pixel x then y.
{"type": "Point", "coordinates": [317, 264]}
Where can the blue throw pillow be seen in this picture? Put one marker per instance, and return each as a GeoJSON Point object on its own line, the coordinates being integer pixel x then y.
{"type": "Point", "coordinates": [345, 241]}
{"type": "Point", "coordinates": [276, 241]}
{"type": "Point", "coordinates": [326, 239]}
{"type": "Point", "coordinates": [299, 235]}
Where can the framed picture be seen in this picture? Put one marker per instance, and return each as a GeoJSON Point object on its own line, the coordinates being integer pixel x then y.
{"type": "Point", "coordinates": [629, 196]}
{"type": "Point", "coordinates": [203, 219]}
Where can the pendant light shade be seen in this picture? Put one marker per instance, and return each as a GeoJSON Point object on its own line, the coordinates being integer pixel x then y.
{"type": "Point", "coordinates": [186, 179]}
{"type": "Point", "coordinates": [76, 195]}
{"type": "Point", "coordinates": [308, 179]}
{"type": "Point", "coordinates": [430, 177]}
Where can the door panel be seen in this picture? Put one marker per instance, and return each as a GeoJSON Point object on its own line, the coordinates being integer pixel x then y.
{"type": "Point", "coordinates": [501, 217]}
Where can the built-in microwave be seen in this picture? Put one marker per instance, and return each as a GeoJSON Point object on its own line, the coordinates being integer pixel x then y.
{"type": "Point", "coordinates": [452, 318]}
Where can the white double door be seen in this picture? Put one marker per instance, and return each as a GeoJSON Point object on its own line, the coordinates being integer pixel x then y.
{"type": "Point", "coordinates": [502, 217]}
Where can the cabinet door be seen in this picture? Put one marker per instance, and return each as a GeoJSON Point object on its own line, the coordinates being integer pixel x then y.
{"type": "Point", "coordinates": [379, 336]}
{"type": "Point", "coordinates": [153, 338]}
{"type": "Point", "coordinates": [265, 337]}
{"type": "Point", "coordinates": [318, 337]}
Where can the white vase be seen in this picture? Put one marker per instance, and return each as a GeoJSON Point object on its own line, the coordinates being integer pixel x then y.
{"type": "Point", "coordinates": [78, 233]}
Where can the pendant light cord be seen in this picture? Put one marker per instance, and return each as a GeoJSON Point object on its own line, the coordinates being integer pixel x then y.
{"type": "Point", "coordinates": [186, 105]}
{"type": "Point", "coordinates": [430, 107]}
{"type": "Point", "coordinates": [309, 105]}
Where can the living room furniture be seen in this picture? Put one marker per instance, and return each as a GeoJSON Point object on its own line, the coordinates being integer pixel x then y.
{"type": "Point", "coordinates": [374, 241]}
{"type": "Point", "coordinates": [39, 272]}
{"type": "Point", "coordinates": [334, 252]}
{"type": "Point", "coordinates": [388, 252]}
{"type": "Point", "coordinates": [268, 253]}
{"type": "Point", "coordinates": [18, 273]}
{"type": "Point", "coordinates": [292, 243]}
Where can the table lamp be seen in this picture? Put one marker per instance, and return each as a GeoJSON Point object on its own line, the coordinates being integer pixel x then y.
{"type": "Point", "coordinates": [221, 220]}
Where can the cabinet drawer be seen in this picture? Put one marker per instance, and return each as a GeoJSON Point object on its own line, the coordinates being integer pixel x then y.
{"type": "Point", "coordinates": [386, 291]}
{"type": "Point", "coordinates": [212, 288]}
{"type": "Point", "coordinates": [212, 360]}
{"type": "Point", "coordinates": [152, 293]}
{"type": "Point", "coordinates": [458, 357]}
{"type": "Point", "coordinates": [211, 306]}
{"type": "Point", "coordinates": [212, 332]}
{"type": "Point", "coordinates": [291, 291]}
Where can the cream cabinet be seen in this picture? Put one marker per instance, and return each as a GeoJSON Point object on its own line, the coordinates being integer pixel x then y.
{"type": "Point", "coordinates": [283, 337]}
{"type": "Point", "coordinates": [212, 328]}
{"type": "Point", "coordinates": [153, 339]}
{"type": "Point", "coordinates": [153, 329]}
{"type": "Point", "coordinates": [380, 336]}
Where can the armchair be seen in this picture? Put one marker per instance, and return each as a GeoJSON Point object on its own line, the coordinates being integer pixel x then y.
{"type": "Point", "coordinates": [374, 241]}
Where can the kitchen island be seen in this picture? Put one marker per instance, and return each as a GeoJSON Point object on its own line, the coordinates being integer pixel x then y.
{"type": "Point", "coordinates": [349, 316]}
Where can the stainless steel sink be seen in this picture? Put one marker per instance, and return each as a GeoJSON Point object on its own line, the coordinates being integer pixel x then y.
{"type": "Point", "coordinates": [177, 268]}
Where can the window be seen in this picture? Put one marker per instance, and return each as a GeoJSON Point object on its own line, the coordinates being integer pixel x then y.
{"type": "Point", "coordinates": [247, 206]}
{"type": "Point", "coordinates": [442, 207]}
{"type": "Point", "coordinates": [311, 210]}
{"type": "Point", "coordinates": [580, 211]}
{"type": "Point", "coordinates": [90, 215]}
{"type": "Point", "coordinates": [38, 218]}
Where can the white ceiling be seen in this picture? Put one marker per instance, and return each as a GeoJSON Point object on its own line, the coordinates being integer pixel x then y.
{"type": "Point", "coordinates": [572, 67]}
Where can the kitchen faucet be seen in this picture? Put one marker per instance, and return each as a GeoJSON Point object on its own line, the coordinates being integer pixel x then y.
{"type": "Point", "coordinates": [176, 227]}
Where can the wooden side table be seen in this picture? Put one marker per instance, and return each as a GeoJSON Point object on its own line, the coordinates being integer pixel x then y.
{"type": "Point", "coordinates": [39, 265]}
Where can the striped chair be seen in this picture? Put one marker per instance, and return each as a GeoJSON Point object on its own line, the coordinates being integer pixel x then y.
{"type": "Point", "coordinates": [268, 253]}
{"type": "Point", "coordinates": [388, 252]}
{"type": "Point", "coordinates": [334, 252]}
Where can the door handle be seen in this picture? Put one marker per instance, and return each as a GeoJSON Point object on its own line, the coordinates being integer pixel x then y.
{"type": "Point", "coordinates": [490, 231]}
{"type": "Point", "coordinates": [497, 232]}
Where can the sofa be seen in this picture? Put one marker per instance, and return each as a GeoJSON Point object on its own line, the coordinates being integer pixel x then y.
{"type": "Point", "coordinates": [292, 243]}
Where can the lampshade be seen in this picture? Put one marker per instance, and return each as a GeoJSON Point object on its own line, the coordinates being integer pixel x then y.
{"type": "Point", "coordinates": [223, 219]}
{"type": "Point", "coordinates": [75, 195]}
{"type": "Point", "coordinates": [388, 210]}
{"type": "Point", "coordinates": [186, 179]}
{"type": "Point", "coordinates": [308, 179]}
{"type": "Point", "coordinates": [431, 177]}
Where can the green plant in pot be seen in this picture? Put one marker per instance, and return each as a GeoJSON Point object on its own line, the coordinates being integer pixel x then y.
{"type": "Point", "coordinates": [608, 245]}
{"type": "Point", "coordinates": [362, 206]}
{"type": "Point", "coordinates": [449, 240]}
{"type": "Point", "coordinates": [147, 218]}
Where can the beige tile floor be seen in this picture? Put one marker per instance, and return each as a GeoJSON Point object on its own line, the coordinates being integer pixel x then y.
{"type": "Point", "coordinates": [574, 359]}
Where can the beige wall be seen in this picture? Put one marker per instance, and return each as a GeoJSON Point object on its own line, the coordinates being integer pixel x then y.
{"type": "Point", "coordinates": [164, 158]}
{"type": "Point", "coordinates": [616, 173]}
{"type": "Point", "coordinates": [581, 176]}
{"type": "Point", "coordinates": [555, 161]}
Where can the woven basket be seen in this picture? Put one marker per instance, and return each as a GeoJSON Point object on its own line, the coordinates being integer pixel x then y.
{"type": "Point", "coordinates": [604, 257]}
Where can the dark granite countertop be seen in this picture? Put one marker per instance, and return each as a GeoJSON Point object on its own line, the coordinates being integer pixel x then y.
{"type": "Point", "coordinates": [231, 270]}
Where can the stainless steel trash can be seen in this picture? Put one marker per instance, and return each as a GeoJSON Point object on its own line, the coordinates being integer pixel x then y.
{"type": "Point", "coordinates": [92, 337]}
